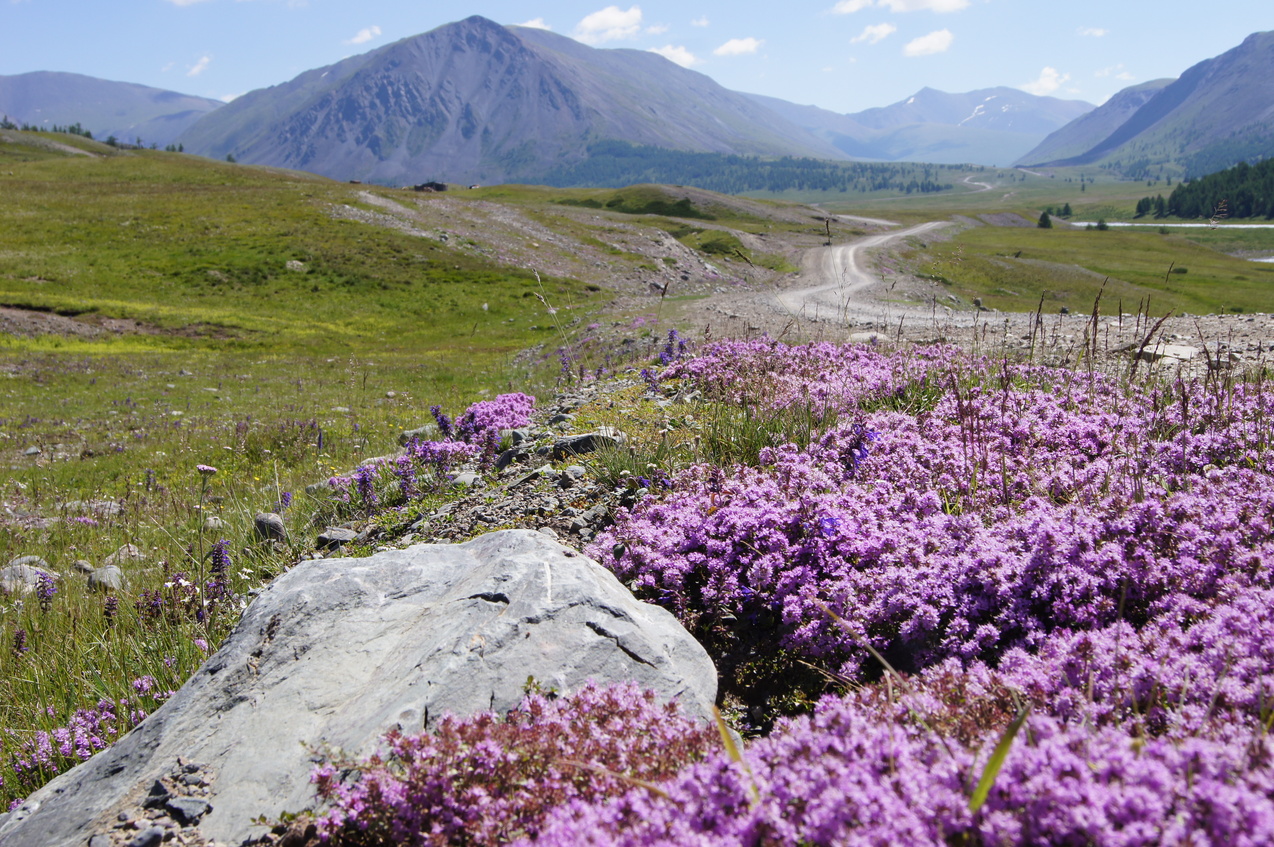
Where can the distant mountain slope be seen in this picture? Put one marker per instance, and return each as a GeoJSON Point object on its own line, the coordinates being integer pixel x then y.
{"type": "Point", "coordinates": [992, 126]}
{"type": "Point", "coordinates": [122, 109]}
{"type": "Point", "coordinates": [1217, 113]}
{"type": "Point", "coordinates": [1083, 133]}
{"type": "Point", "coordinates": [478, 102]}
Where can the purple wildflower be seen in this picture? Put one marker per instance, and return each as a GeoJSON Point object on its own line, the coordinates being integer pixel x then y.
{"type": "Point", "coordinates": [445, 428]}
{"type": "Point", "coordinates": [45, 589]}
{"type": "Point", "coordinates": [19, 642]}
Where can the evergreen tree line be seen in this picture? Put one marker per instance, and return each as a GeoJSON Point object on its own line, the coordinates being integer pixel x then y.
{"type": "Point", "coordinates": [1243, 191]}
{"type": "Point", "coordinates": [615, 163]}
{"type": "Point", "coordinates": [73, 129]}
{"type": "Point", "coordinates": [1250, 148]}
{"type": "Point", "coordinates": [77, 129]}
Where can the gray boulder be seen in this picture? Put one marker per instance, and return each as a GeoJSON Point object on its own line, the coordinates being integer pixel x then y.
{"type": "Point", "coordinates": [127, 553]}
{"type": "Point", "coordinates": [107, 578]}
{"type": "Point", "coordinates": [268, 526]}
{"type": "Point", "coordinates": [428, 432]}
{"type": "Point", "coordinates": [22, 575]}
{"type": "Point", "coordinates": [334, 538]}
{"type": "Point", "coordinates": [337, 651]}
{"type": "Point", "coordinates": [606, 438]}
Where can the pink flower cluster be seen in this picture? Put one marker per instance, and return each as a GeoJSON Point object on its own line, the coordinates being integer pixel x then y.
{"type": "Point", "coordinates": [46, 753]}
{"type": "Point", "coordinates": [989, 513]}
{"type": "Point", "coordinates": [489, 779]}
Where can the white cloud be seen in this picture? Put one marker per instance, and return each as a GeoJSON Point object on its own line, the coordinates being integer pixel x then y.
{"type": "Point", "coordinates": [200, 66]}
{"type": "Point", "coordinates": [657, 29]}
{"type": "Point", "coordinates": [1093, 32]}
{"type": "Point", "coordinates": [846, 7]}
{"type": "Point", "coordinates": [1050, 79]}
{"type": "Point", "coordinates": [738, 47]}
{"type": "Point", "coordinates": [677, 54]}
{"type": "Point", "coordinates": [536, 23]}
{"type": "Point", "coordinates": [874, 34]}
{"type": "Point", "coordinates": [702, 20]}
{"type": "Point", "coordinates": [226, 98]}
{"type": "Point", "coordinates": [1117, 71]}
{"type": "Point", "coordinates": [610, 24]}
{"type": "Point", "coordinates": [185, 2]}
{"type": "Point", "coordinates": [365, 35]}
{"type": "Point", "coordinates": [938, 41]}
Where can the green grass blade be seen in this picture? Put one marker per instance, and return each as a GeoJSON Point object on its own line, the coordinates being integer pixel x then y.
{"type": "Point", "coordinates": [993, 765]}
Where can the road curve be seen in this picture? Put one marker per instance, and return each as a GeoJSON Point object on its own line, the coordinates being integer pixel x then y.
{"type": "Point", "coordinates": [841, 271]}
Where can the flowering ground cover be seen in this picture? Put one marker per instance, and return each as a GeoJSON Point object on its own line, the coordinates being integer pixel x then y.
{"type": "Point", "coordinates": [983, 603]}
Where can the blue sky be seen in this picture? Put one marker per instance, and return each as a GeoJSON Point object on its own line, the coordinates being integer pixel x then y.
{"type": "Point", "coordinates": [842, 55]}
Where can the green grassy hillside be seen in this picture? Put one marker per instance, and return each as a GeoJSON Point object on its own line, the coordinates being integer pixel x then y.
{"type": "Point", "coordinates": [1011, 269]}
{"type": "Point", "coordinates": [246, 256]}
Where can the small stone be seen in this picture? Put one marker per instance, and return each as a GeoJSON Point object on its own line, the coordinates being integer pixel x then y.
{"type": "Point", "coordinates": [212, 523]}
{"type": "Point", "coordinates": [574, 445]}
{"type": "Point", "coordinates": [187, 810]}
{"type": "Point", "coordinates": [108, 578]}
{"type": "Point", "coordinates": [32, 451]}
{"type": "Point", "coordinates": [83, 566]}
{"type": "Point", "coordinates": [515, 437]}
{"type": "Point", "coordinates": [428, 432]}
{"type": "Point", "coordinates": [152, 837]}
{"type": "Point", "coordinates": [101, 508]}
{"type": "Point", "coordinates": [268, 526]}
{"type": "Point", "coordinates": [510, 456]}
{"type": "Point", "coordinates": [100, 841]}
{"type": "Point", "coordinates": [157, 797]}
{"type": "Point", "coordinates": [468, 479]}
{"type": "Point", "coordinates": [335, 537]}
{"type": "Point", "coordinates": [127, 553]}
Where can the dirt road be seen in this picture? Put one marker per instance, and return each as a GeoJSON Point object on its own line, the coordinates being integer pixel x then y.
{"type": "Point", "coordinates": [833, 278]}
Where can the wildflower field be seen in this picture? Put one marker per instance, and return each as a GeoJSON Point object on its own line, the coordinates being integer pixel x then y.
{"type": "Point", "coordinates": [975, 602]}
{"type": "Point", "coordinates": [952, 599]}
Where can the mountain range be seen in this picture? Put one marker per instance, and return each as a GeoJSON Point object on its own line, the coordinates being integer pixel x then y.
{"type": "Point", "coordinates": [478, 102]}
{"type": "Point", "coordinates": [121, 109]}
{"type": "Point", "coordinates": [991, 126]}
{"type": "Point", "coordinates": [475, 101]}
{"type": "Point", "coordinates": [1217, 113]}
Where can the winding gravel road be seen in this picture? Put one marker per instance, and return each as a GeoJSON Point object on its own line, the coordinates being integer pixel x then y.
{"type": "Point", "coordinates": [839, 273]}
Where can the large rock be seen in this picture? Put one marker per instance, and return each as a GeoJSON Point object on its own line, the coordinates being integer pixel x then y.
{"type": "Point", "coordinates": [337, 651]}
{"type": "Point", "coordinates": [22, 575]}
